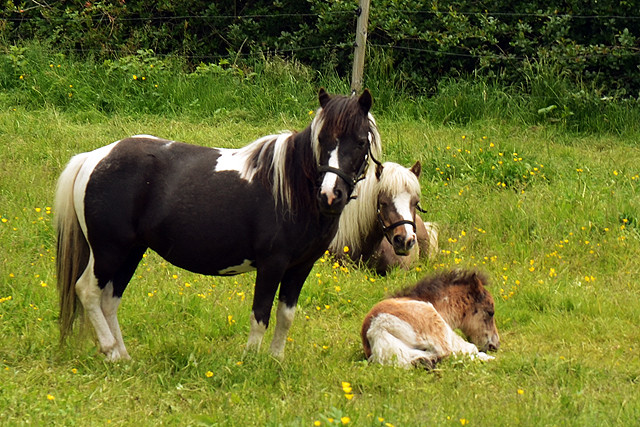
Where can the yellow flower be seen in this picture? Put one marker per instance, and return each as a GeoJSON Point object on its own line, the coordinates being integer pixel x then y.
{"type": "Point", "coordinates": [345, 420]}
{"type": "Point", "coordinates": [464, 421]}
{"type": "Point", "coordinates": [50, 397]}
{"type": "Point", "coordinates": [209, 374]}
{"type": "Point", "coordinates": [349, 396]}
{"type": "Point", "coordinates": [74, 371]}
{"type": "Point", "coordinates": [346, 249]}
{"type": "Point", "coordinates": [317, 423]}
{"type": "Point", "coordinates": [135, 77]}
{"type": "Point", "coordinates": [520, 391]}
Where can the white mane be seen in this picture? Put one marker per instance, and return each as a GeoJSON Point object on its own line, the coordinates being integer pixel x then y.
{"type": "Point", "coordinates": [358, 218]}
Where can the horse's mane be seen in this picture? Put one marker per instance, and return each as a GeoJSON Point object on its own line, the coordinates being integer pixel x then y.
{"type": "Point", "coordinates": [358, 218]}
{"type": "Point", "coordinates": [431, 287]}
{"type": "Point", "coordinates": [343, 113]}
{"type": "Point", "coordinates": [288, 162]}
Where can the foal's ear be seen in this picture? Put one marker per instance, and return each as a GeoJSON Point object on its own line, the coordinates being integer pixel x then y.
{"type": "Point", "coordinates": [323, 97]}
{"type": "Point", "coordinates": [365, 101]}
{"type": "Point", "coordinates": [476, 283]}
{"type": "Point", "coordinates": [379, 169]}
{"type": "Point", "coordinates": [416, 169]}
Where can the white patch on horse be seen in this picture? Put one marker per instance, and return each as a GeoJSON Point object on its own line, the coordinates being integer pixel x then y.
{"type": "Point", "coordinates": [94, 303]}
{"type": "Point", "coordinates": [145, 136]}
{"type": "Point", "coordinates": [109, 305]}
{"type": "Point", "coordinates": [330, 179]}
{"type": "Point", "coordinates": [247, 265]}
{"type": "Point", "coordinates": [91, 160]}
{"type": "Point", "coordinates": [256, 334]}
{"type": "Point", "coordinates": [285, 317]}
{"type": "Point", "coordinates": [233, 160]}
{"type": "Point", "coordinates": [394, 342]}
{"type": "Point", "coordinates": [402, 204]}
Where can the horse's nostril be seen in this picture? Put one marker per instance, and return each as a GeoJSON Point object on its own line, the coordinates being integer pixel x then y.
{"type": "Point", "coordinates": [338, 195]}
{"type": "Point", "coordinates": [398, 240]}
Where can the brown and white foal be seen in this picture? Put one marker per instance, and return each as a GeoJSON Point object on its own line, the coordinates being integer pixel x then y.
{"type": "Point", "coordinates": [416, 325]}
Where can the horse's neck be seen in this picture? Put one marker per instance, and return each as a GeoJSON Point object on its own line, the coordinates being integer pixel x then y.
{"type": "Point", "coordinates": [450, 308]}
{"type": "Point", "coordinates": [358, 220]}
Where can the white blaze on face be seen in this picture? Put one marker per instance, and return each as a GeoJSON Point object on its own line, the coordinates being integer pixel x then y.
{"type": "Point", "coordinates": [330, 179]}
{"type": "Point", "coordinates": [402, 203]}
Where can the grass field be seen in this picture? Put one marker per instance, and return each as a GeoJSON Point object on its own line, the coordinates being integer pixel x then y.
{"type": "Point", "coordinates": [551, 216]}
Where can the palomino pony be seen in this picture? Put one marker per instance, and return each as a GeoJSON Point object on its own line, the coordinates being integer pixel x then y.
{"type": "Point", "coordinates": [381, 227]}
{"type": "Point", "coordinates": [416, 326]}
{"type": "Point", "coordinates": [272, 206]}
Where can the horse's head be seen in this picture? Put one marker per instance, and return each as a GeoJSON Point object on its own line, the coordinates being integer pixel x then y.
{"type": "Point", "coordinates": [344, 134]}
{"type": "Point", "coordinates": [479, 323]}
{"type": "Point", "coordinates": [397, 202]}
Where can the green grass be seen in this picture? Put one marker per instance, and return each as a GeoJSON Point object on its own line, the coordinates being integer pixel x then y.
{"type": "Point", "coordinates": [560, 245]}
{"type": "Point", "coordinates": [549, 213]}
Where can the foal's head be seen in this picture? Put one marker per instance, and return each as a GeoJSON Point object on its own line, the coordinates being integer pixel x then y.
{"type": "Point", "coordinates": [397, 202]}
{"type": "Point", "coordinates": [344, 133]}
{"type": "Point", "coordinates": [478, 322]}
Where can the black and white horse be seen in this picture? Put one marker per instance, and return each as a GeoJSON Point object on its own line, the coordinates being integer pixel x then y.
{"type": "Point", "coordinates": [272, 206]}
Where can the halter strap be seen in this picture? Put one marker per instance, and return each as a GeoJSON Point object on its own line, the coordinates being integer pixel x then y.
{"type": "Point", "coordinates": [351, 182]}
{"type": "Point", "coordinates": [386, 228]}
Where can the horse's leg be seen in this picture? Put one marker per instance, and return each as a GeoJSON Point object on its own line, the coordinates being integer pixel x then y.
{"type": "Point", "coordinates": [268, 277]}
{"type": "Point", "coordinates": [109, 304]}
{"type": "Point", "coordinates": [90, 296]}
{"type": "Point", "coordinates": [112, 296]}
{"type": "Point", "coordinates": [289, 292]}
{"type": "Point", "coordinates": [394, 342]}
{"type": "Point", "coordinates": [458, 345]}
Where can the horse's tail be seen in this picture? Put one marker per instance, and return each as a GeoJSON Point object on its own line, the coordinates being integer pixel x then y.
{"type": "Point", "coordinates": [72, 246]}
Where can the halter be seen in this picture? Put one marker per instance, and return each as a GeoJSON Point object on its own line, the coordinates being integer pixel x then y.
{"type": "Point", "coordinates": [362, 172]}
{"type": "Point", "coordinates": [388, 228]}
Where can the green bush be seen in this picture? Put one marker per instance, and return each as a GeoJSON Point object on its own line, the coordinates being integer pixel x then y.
{"type": "Point", "coordinates": [594, 44]}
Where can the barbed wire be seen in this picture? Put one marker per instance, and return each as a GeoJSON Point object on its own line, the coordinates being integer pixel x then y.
{"type": "Point", "coordinates": [317, 15]}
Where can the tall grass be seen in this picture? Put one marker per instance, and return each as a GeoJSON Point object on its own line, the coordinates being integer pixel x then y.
{"type": "Point", "coordinates": [549, 213]}
{"type": "Point", "coordinates": [33, 76]}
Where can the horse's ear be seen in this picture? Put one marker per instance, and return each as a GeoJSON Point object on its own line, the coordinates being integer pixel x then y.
{"type": "Point", "coordinates": [365, 100]}
{"type": "Point", "coordinates": [323, 97]}
{"type": "Point", "coordinates": [477, 286]}
{"type": "Point", "coordinates": [416, 169]}
{"type": "Point", "coordinates": [379, 169]}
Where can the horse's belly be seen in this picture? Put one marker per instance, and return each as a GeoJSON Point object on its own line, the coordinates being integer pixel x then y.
{"type": "Point", "coordinates": [213, 260]}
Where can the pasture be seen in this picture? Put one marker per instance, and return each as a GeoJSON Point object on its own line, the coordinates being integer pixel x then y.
{"type": "Point", "coordinates": [550, 216]}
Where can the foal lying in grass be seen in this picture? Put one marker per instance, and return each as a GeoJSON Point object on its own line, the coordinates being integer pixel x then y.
{"type": "Point", "coordinates": [416, 325]}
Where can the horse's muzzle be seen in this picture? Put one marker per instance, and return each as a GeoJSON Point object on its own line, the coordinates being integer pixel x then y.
{"type": "Point", "coordinates": [402, 244]}
{"type": "Point", "coordinates": [333, 202]}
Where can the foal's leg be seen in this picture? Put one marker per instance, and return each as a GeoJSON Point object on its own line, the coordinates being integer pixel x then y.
{"type": "Point", "coordinates": [289, 292]}
{"type": "Point", "coordinates": [91, 296]}
{"type": "Point", "coordinates": [459, 346]}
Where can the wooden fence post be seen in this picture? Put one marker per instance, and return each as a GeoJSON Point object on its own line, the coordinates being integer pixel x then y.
{"type": "Point", "coordinates": [361, 43]}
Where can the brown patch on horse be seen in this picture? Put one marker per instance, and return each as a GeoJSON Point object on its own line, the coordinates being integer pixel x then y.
{"type": "Point", "coordinates": [421, 316]}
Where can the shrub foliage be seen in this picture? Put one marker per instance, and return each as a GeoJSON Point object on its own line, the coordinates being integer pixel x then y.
{"type": "Point", "coordinates": [594, 43]}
